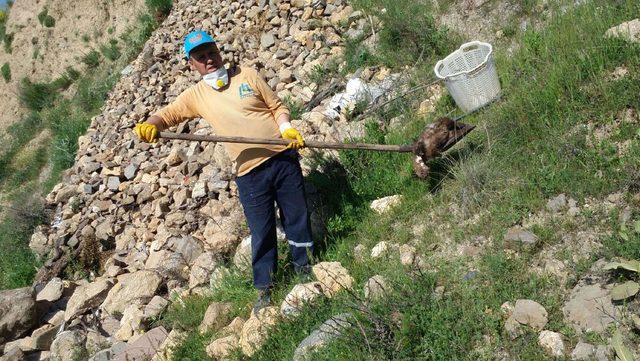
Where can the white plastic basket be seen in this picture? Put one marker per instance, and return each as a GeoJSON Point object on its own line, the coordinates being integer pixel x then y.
{"type": "Point", "coordinates": [470, 75]}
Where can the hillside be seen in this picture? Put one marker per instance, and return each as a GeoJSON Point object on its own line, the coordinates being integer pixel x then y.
{"type": "Point", "coordinates": [523, 243]}
{"type": "Point", "coordinates": [42, 52]}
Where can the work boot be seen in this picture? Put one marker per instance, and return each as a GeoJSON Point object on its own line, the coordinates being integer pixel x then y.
{"type": "Point", "coordinates": [303, 273]}
{"type": "Point", "coordinates": [264, 300]}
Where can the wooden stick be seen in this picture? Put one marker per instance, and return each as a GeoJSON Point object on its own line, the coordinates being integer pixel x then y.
{"type": "Point", "coordinates": [307, 143]}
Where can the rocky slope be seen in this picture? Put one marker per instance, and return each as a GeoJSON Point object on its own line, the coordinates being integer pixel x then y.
{"type": "Point", "coordinates": [155, 220]}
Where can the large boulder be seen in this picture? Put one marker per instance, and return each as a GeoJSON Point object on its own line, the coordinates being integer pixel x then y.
{"type": "Point", "coordinates": [138, 287]}
{"type": "Point", "coordinates": [589, 308]}
{"type": "Point", "coordinates": [17, 313]}
{"type": "Point", "coordinates": [87, 296]}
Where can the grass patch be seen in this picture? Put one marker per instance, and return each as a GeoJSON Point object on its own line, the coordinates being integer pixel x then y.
{"type": "Point", "coordinates": [6, 72]}
{"type": "Point", "coordinates": [45, 19]}
{"type": "Point", "coordinates": [8, 41]}
{"type": "Point", "coordinates": [111, 51]}
{"type": "Point", "coordinates": [92, 59]}
{"type": "Point", "coordinates": [159, 8]}
{"type": "Point", "coordinates": [37, 96]}
{"type": "Point", "coordinates": [408, 32]}
{"type": "Point", "coordinates": [296, 108]}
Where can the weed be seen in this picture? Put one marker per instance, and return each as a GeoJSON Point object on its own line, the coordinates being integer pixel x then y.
{"type": "Point", "coordinates": [92, 59]}
{"type": "Point", "coordinates": [111, 51]}
{"type": "Point", "coordinates": [36, 96]}
{"type": "Point", "coordinates": [8, 40]}
{"type": "Point", "coordinates": [86, 38]}
{"type": "Point", "coordinates": [159, 8]}
{"type": "Point", "coordinates": [409, 32]}
{"type": "Point", "coordinates": [295, 107]}
{"type": "Point", "coordinates": [6, 72]}
{"type": "Point", "coordinates": [45, 19]}
{"type": "Point", "coordinates": [357, 55]}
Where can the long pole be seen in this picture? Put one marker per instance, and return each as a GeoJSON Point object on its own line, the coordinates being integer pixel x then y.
{"type": "Point", "coordinates": [307, 143]}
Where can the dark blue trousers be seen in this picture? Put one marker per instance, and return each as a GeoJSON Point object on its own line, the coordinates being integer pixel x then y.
{"type": "Point", "coordinates": [278, 180]}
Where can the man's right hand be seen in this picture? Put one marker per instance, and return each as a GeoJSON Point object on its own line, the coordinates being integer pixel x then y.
{"type": "Point", "coordinates": [147, 132]}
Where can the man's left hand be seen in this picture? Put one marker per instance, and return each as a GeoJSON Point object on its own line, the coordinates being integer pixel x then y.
{"type": "Point", "coordinates": [292, 133]}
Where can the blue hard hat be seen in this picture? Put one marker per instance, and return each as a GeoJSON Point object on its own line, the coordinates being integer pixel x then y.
{"type": "Point", "coordinates": [195, 39]}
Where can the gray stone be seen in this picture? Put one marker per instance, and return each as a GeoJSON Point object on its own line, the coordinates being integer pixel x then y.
{"type": "Point", "coordinates": [299, 296]}
{"type": "Point", "coordinates": [199, 190]}
{"type": "Point", "coordinates": [375, 288]}
{"type": "Point", "coordinates": [52, 291]}
{"type": "Point", "coordinates": [138, 287]}
{"type": "Point", "coordinates": [155, 307]}
{"type": "Point", "coordinates": [104, 355]}
{"type": "Point", "coordinates": [583, 352]}
{"type": "Point", "coordinates": [242, 257]}
{"type": "Point", "coordinates": [267, 40]}
{"type": "Point", "coordinates": [143, 348]}
{"type": "Point", "coordinates": [130, 171]}
{"type": "Point", "coordinates": [69, 345]}
{"type": "Point", "coordinates": [86, 297]}
{"type": "Point", "coordinates": [113, 183]}
{"type": "Point", "coordinates": [629, 31]}
{"type": "Point", "coordinates": [17, 313]}
{"type": "Point", "coordinates": [218, 315]}
{"type": "Point", "coordinates": [517, 238]}
{"type": "Point", "coordinates": [589, 309]}
{"type": "Point", "coordinates": [603, 353]}
{"type": "Point", "coordinates": [531, 313]}
{"type": "Point", "coordinates": [328, 331]}
{"type": "Point", "coordinates": [557, 204]}
{"type": "Point", "coordinates": [552, 343]}
{"type": "Point", "coordinates": [13, 354]}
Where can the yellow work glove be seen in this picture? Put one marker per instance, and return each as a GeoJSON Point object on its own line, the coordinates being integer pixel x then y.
{"type": "Point", "coordinates": [147, 132]}
{"type": "Point", "coordinates": [288, 132]}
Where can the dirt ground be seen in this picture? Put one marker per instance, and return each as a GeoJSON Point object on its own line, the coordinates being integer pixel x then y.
{"type": "Point", "coordinates": [42, 53]}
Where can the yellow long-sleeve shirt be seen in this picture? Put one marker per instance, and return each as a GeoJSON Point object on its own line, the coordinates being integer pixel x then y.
{"type": "Point", "coordinates": [246, 107]}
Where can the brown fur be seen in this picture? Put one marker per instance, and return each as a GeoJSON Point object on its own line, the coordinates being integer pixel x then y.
{"type": "Point", "coordinates": [435, 139]}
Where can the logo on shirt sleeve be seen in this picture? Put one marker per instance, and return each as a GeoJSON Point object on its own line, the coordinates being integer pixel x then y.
{"type": "Point", "coordinates": [245, 90]}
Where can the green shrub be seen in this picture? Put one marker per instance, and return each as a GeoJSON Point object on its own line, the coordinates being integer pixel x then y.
{"type": "Point", "coordinates": [409, 31]}
{"type": "Point", "coordinates": [42, 15]}
{"type": "Point", "coordinates": [8, 40]}
{"type": "Point", "coordinates": [37, 96]}
{"type": "Point", "coordinates": [111, 51]}
{"type": "Point", "coordinates": [92, 59]}
{"type": "Point", "coordinates": [86, 38]}
{"type": "Point", "coordinates": [295, 107]}
{"type": "Point", "coordinates": [358, 55]}
{"type": "Point", "coordinates": [72, 73]}
{"type": "Point", "coordinates": [6, 72]}
{"type": "Point", "coordinates": [159, 8]}
{"type": "Point", "coordinates": [45, 19]}
{"type": "Point", "coordinates": [49, 21]}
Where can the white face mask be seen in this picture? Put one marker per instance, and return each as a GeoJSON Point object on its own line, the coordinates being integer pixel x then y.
{"type": "Point", "coordinates": [218, 79]}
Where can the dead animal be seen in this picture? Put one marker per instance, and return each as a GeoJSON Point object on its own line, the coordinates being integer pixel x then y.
{"type": "Point", "coordinates": [432, 142]}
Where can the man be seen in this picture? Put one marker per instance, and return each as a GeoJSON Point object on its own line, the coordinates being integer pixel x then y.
{"type": "Point", "coordinates": [238, 102]}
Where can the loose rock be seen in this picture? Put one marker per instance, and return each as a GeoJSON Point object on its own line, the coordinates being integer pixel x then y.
{"type": "Point", "coordinates": [333, 277]}
{"type": "Point", "coordinates": [552, 343]}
